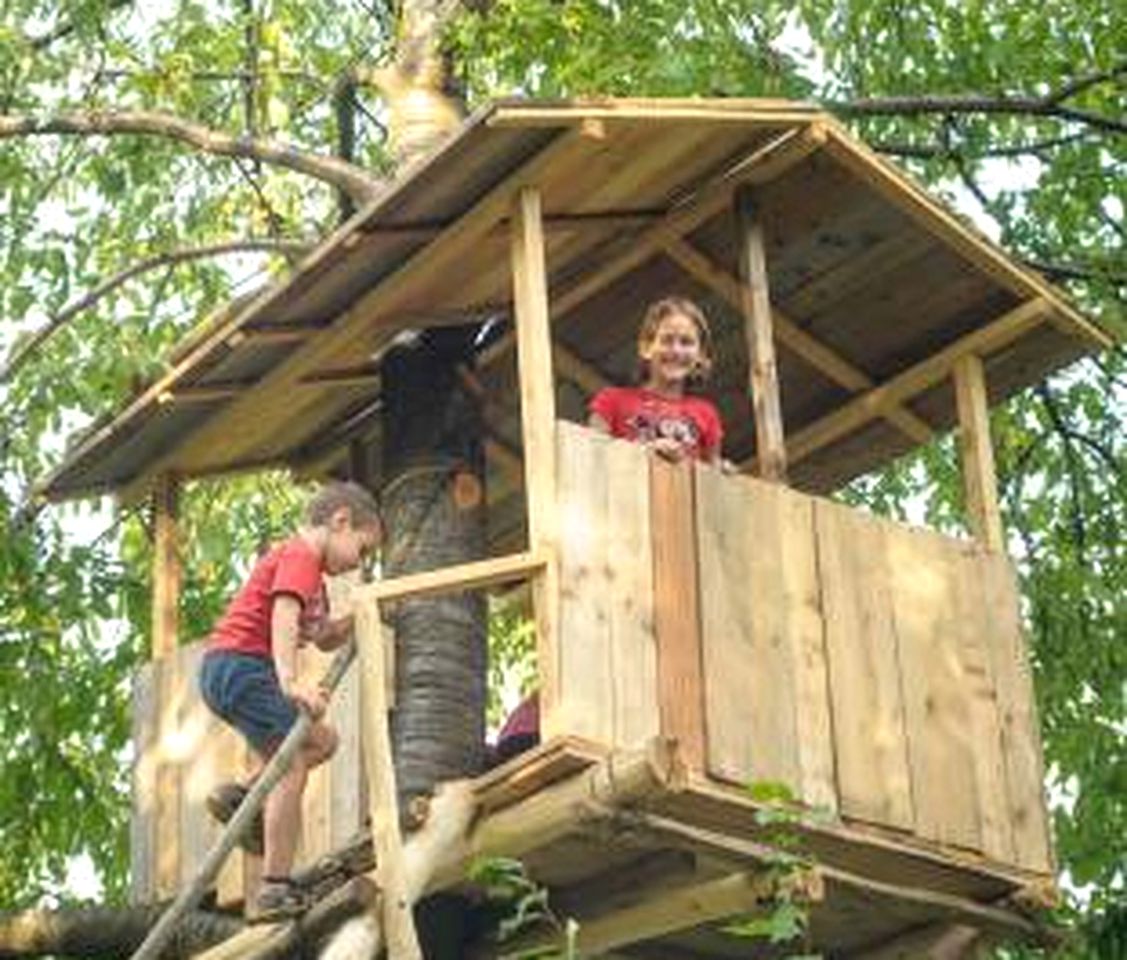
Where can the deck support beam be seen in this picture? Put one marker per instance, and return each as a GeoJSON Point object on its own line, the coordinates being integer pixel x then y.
{"type": "Point", "coordinates": [980, 483]}
{"type": "Point", "coordinates": [755, 306]}
{"type": "Point", "coordinates": [166, 565]}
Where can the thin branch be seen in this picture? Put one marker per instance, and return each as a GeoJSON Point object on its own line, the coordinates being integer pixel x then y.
{"type": "Point", "coordinates": [169, 258]}
{"type": "Point", "coordinates": [1049, 105]}
{"type": "Point", "coordinates": [1087, 80]}
{"type": "Point", "coordinates": [931, 151]}
{"type": "Point", "coordinates": [65, 29]}
{"type": "Point", "coordinates": [1072, 271]}
{"type": "Point", "coordinates": [1075, 471]}
{"type": "Point", "coordinates": [355, 180]}
{"type": "Point", "coordinates": [216, 76]}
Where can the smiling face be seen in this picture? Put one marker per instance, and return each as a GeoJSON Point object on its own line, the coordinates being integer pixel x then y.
{"type": "Point", "coordinates": [346, 545]}
{"type": "Point", "coordinates": [673, 353]}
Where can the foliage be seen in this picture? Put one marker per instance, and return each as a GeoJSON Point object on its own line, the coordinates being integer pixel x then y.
{"type": "Point", "coordinates": [73, 608]}
{"type": "Point", "coordinates": [505, 882]}
{"type": "Point", "coordinates": [786, 917]}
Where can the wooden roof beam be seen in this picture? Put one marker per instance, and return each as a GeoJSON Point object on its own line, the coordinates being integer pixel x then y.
{"type": "Point", "coordinates": [251, 410]}
{"type": "Point", "coordinates": [761, 166]}
{"type": "Point", "coordinates": [793, 337]}
{"type": "Point", "coordinates": [281, 333]}
{"type": "Point", "coordinates": [925, 374]}
{"type": "Point", "coordinates": [555, 222]}
{"type": "Point", "coordinates": [903, 192]}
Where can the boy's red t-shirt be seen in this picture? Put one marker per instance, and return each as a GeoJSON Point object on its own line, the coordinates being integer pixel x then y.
{"type": "Point", "coordinates": [292, 567]}
{"type": "Point", "coordinates": [635, 413]}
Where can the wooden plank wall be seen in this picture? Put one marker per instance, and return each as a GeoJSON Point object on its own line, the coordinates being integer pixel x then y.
{"type": "Point", "coordinates": [183, 751]}
{"type": "Point", "coordinates": [876, 669]}
{"type": "Point", "coordinates": [608, 665]}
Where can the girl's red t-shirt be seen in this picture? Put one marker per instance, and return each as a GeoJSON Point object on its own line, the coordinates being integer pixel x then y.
{"type": "Point", "coordinates": [635, 413]}
{"type": "Point", "coordinates": [292, 567]}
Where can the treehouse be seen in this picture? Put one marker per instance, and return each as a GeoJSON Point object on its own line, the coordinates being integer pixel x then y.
{"type": "Point", "coordinates": [698, 630]}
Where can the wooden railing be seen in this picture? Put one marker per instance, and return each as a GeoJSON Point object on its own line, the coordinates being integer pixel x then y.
{"type": "Point", "coordinates": [878, 670]}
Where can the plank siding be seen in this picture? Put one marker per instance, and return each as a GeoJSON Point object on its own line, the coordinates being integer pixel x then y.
{"type": "Point", "coordinates": [608, 668]}
{"type": "Point", "coordinates": [924, 571]}
{"type": "Point", "coordinates": [749, 683]}
{"type": "Point", "coordinates": [1017, 715]}
{"type": "Point", "coordinates": [677, 609]}
{"type": "Point", "coordinates": [976, 622]}
{"type": "Point", "coordinates": [586, 690]}
{"type": "Point", "coordinates": [629, 581]}
{"type": "Point", "coordinates": [870, 736]}
{"type": "Point", "coordinates": [142, 832]}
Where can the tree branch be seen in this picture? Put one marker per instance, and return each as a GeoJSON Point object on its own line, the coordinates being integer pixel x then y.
{"type": "Point", "coordinates": [62, 30]}
{"type": "Point", "coordinates": [931, 151]}
{"type": "Point", "coordinates": [105, 932]}
{"type": "Point", "coordinates": [169, 258]}
{"type": "Point", "coordinates": [353, 179]}
{"type": "Point", "coordinates": [1049, 105]}
{"type": "Point", "coordinates": [1071, 271]}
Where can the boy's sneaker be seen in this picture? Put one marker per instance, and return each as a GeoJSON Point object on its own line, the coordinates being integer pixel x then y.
{"type": "Point", "coordinates": [279, 900]}
{"type": "Point", "coordinates": [222, 803]}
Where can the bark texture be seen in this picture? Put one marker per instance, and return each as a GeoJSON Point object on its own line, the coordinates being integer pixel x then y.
{"type": "Point", "coordinates": [107, 933]}
{"type": "Point", "coordinates": [435, 510]}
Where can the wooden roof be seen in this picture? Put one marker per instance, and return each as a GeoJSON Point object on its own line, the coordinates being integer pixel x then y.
{"type": "Point", "coordinates": [875, 284]}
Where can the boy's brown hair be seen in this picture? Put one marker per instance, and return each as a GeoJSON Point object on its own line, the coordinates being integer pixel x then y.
{"type": "Point", "coordinates": [362, 507]}
{"type": "Point", "coordinates": [667, 307]}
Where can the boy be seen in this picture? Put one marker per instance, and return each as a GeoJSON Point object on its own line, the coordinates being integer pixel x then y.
{"type": "Point", "coordinates": [249, 672]}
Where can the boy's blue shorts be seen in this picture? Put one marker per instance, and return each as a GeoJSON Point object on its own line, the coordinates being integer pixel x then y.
{"type": "Point", "coordinates": [244, 691]}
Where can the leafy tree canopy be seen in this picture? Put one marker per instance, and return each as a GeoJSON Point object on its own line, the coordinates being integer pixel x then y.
{"type": "Point", "coordinates": [1014, 110]}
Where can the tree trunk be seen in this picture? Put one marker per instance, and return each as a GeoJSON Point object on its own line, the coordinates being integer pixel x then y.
{"type": "Point", "coordinates": [434, 504]}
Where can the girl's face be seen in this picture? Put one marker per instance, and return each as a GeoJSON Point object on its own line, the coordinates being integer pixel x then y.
{"type": "Point", "coordinates": [674, 352]}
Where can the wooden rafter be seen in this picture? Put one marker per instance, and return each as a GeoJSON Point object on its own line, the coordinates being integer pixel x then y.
{"type": "Point", "coordinates": [249, 410]}
{"type": "Point", "coordinates": [877, 401]}
{"type": "Point", "coordinates": [792, 336]}
{"type": "Point", "coordinates": [761, 166]}
{"type": "Point", "coordinates": [906, 194]}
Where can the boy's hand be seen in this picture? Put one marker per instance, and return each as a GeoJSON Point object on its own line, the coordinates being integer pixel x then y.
{"type": "Point", "coordinates": [312, 699]}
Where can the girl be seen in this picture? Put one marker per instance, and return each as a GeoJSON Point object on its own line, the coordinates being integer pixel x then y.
{"type": "Point", "coordinates": [674, 354]}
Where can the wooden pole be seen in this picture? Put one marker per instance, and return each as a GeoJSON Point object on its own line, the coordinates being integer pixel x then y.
{"type": "Point", "coordinates": [756, 307]}
{"type": "Point", "coordinates": [980, 483]}
{"type": "Point", "coordinates": [394, 907]}
{"type": "Point", "coordinates": [166, 565]}
{"type": "Point", "coordinates": [538, 428]}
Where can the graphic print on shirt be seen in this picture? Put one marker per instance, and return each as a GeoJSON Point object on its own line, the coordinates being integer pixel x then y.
{"type": "Point", "coordinates": [648, 425]}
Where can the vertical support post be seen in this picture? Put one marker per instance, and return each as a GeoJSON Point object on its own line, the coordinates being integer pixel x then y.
{"type": "Point", "coordinates": [372, 640]}
{"type": "Point", "coordinates": [538, 427]}
{"type": "Point", "coordinates": [980, 483]}
{"type": "Point", "coordinates": [166, 565]}
{"type": "Point", "coordinates": [763, 375]}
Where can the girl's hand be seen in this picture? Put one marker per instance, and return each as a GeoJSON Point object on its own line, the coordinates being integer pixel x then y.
{"type": "Point", "coordinates": [668, 449]}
